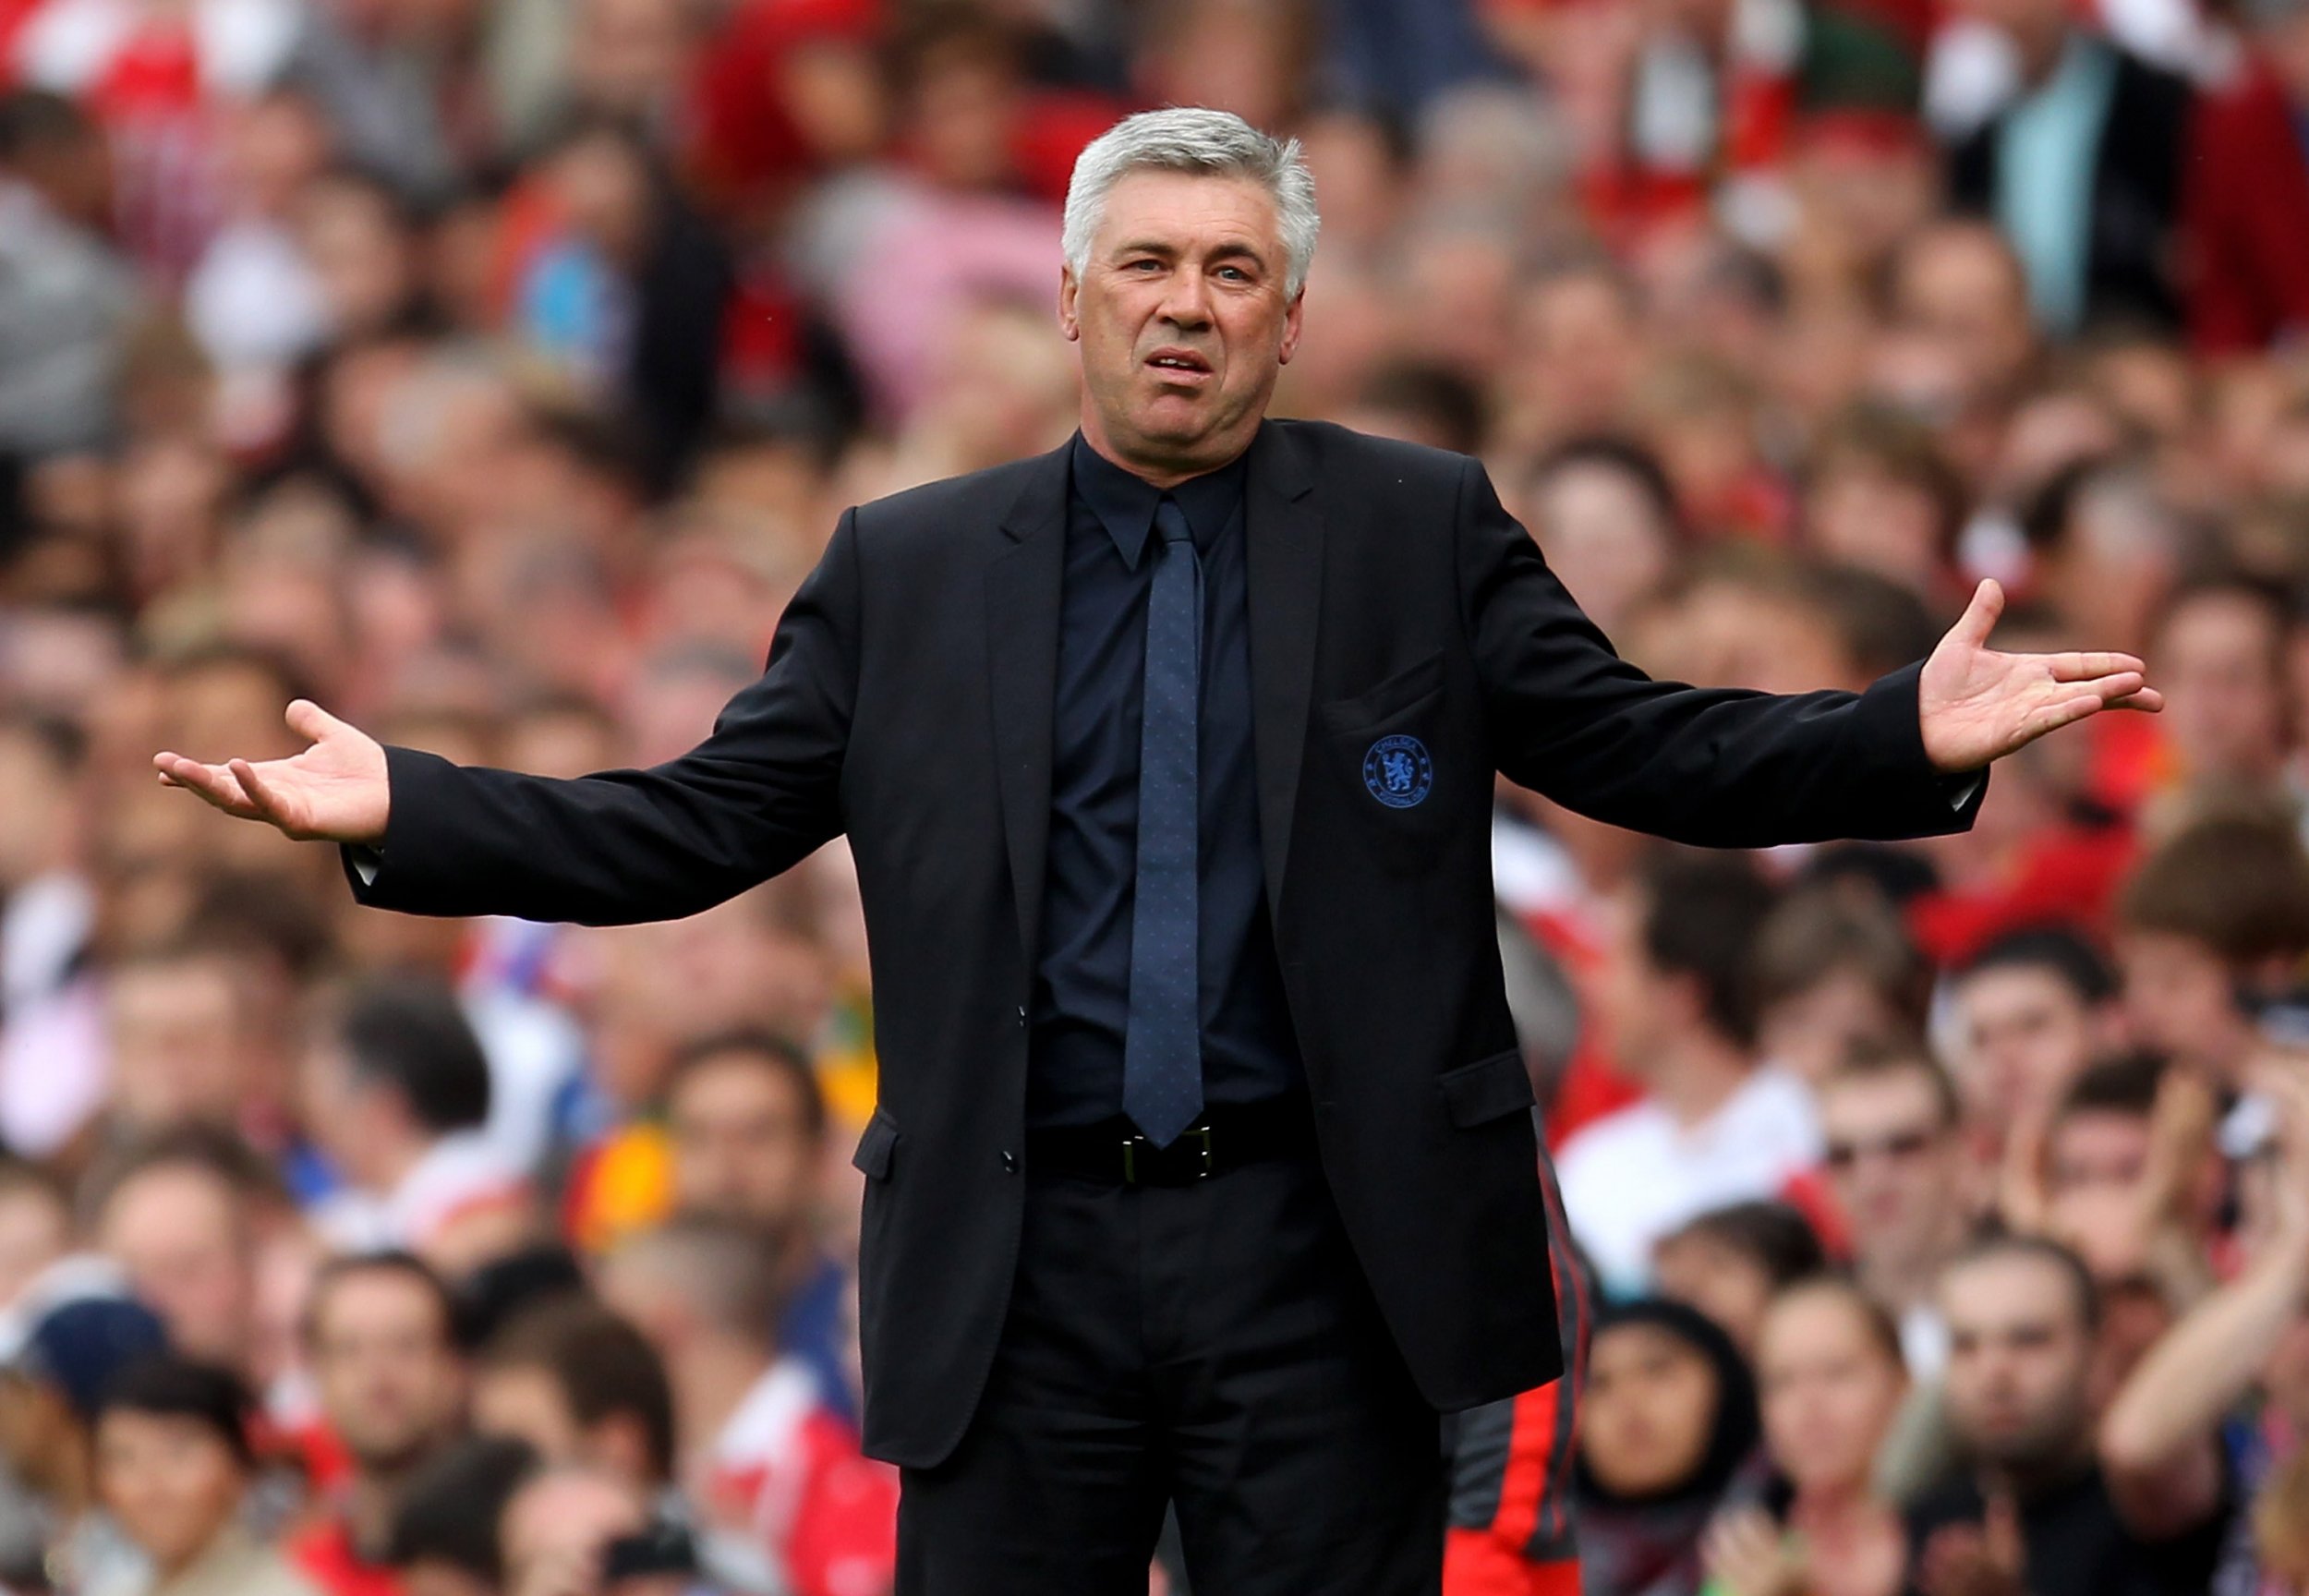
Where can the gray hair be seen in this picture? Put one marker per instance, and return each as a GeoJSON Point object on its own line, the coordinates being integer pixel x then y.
{"type": "Point", "coordinates": [1190, 139]}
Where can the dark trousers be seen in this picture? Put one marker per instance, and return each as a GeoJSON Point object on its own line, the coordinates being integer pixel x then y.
{"type": "Point", "coordinates": [1212, 1346]}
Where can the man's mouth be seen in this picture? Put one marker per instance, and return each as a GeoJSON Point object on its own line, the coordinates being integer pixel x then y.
{"type": "Point", "coordinates": [1180, 360]}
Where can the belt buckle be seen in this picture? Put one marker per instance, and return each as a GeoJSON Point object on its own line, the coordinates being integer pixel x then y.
{"type": "Point", "coordinates": [1132, 1142]}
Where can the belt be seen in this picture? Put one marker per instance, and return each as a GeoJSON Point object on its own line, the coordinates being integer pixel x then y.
{"type": "Point", "coordinates": [1228, 1135]}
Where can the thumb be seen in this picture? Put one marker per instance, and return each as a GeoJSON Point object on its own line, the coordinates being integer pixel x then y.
{"type": "Point", "coordinates": [310, 721]}
{"type": "Point", "coordinates": [1980, 616]}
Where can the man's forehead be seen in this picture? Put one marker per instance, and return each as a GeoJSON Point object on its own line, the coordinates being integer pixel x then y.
{"type": "Point", "coordinates": [1157, 201]}
{"type": "Point", "coordinates": [2006, 1293]}
{"type": "Point", "coordinates": [1872, 1099]}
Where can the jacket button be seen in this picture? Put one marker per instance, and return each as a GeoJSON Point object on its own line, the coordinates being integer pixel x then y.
{"type": "Point", "coordinates": [1022, 1016]}
{"type": "Point", "coordinates": [1009, 1161]}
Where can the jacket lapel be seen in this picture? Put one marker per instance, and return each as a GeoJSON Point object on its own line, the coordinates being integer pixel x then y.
{"type": "Point", "coordinates": [1022, 583]}
{"type": "Point", "coordinates": [1285, 531]}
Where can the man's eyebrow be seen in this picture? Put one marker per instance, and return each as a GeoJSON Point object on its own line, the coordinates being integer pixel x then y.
{"type": "Point", "coordinates": [1233, 248]}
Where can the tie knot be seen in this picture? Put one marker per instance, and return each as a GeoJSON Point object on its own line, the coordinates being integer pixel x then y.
{"type": "Point", "coordinates": [1170, 522]}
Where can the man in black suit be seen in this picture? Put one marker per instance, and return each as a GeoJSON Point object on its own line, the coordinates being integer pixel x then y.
{"type": "Point", "coordinates": [1203, 1171]}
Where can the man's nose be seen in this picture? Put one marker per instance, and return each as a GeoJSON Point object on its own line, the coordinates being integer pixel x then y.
{"type": "Point", "coordinates": [1187, 304]}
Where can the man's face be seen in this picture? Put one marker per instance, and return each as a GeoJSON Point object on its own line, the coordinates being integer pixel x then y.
{"type": "Point", "coordinates": [1957, 289]}
{"type": "Point", "coordinates": [1184, 320]}
{"type": "Point", "coordinates": [179, 1233]}
{"type": "Point", "coordinates": [2027, 1035]}
{"type": "Point", "coordinates": [2098, 1149]}
{"type": "Point", "coordinates": [742, 1143]}
{"type": "Point", "coordinates": [1895, 1163]}
{"type": "Point", "coordinates": [2181, 1001]}
{"type": "Point", "coordinates": [2219, 662]}
{"type": "Point", "coordinates": [525, 1402]}
{"type": "Point", "coordinates": [390, 1385]}
{"type": "Point", "coordinates": [179, 1052]}
{"type": "Point", "coordinates": [2019, 1361]}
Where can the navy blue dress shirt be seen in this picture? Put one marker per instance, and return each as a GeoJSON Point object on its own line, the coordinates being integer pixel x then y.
{"type": "Point", "coordinates": [1082, 969]}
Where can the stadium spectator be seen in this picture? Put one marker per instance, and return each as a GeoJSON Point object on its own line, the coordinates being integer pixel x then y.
{"type": "Point", "coordinates": [745, 1121]}
{"type": "Point", "coordinates": [2168, 1443]}
{"type": "Point", "coordinates": [580, 1387]}
{"type": "Point", "coordinates": [784, 1500]}
{"type": "Point", "coordinates": [1829, 1382]}
{"type": "Point", "coordinates": [1668, 1439]}
{"type": "Point", "coordinates": [1897, 1167]}
{"type": "Point", "coordinates": [1715, 1126]}
{"type": "Point", "coordinates": [390, 1384]}
{"type": "Point", "coordinates": [2097, 123]}
{"type": "Point", "coordinates": [2208, 929]}
{"type": "Point", "coordinates": [444, 1534]}
{"type": "Point", "coordinates": [180, 1217]}
{"type": "Point", "coordinates": [2033, 1510]}
{"type": "Point", "coordinates": [61, 1353]}
{"type": "Point", "coordinates": [35, 1226]}
{"type": "Point", "coordinates": [2032, 1009]}
{"type": "Point", "coordinates": [174, 1467]}
{"type": "Point", "coordinates": [1730, 1262]}
{"type": "Point", "coordinates": [397, 1092]}
{"type": "Point", "coordinates": [2220, 644]}
{"type": "Point", "coordinates": [1834, 972]}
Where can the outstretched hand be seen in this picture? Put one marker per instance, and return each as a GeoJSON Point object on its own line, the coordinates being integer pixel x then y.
{"type": "Point", "coordinates": [1976, 705]}
{"type": "Point", "coordinates": [335, 790]}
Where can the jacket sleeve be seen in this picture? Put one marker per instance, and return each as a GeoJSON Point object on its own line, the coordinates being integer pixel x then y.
{"type": "Point", "coordinates": [1722, 767]}
{"type": "Point", "coordinates": [760, 793]}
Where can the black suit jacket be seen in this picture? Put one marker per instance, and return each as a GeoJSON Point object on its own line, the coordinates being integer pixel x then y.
{"type": "Point", "coordinates": [907, 701]}
{"type": "Point", "coordinates": [2131, 262]}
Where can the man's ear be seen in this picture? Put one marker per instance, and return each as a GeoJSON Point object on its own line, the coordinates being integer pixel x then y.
{"type": "Point", "coordinates": [1068, 288]}
{"type": "Point", "coordinates": [1291, 326]}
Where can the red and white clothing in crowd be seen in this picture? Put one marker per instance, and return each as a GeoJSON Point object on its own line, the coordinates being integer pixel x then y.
{"type": "Point", "coordinates": [789, 1504]}
{"type": "Point", "coordinates": [1635, 1174]}
{"type": "Point", "coordinates": [152, 74]}
{"type": "Point", "coordinates": [461, 1177]}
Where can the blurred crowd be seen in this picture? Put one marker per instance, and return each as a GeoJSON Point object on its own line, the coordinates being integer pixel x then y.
{"type": "Point", "coordinates": [492, 373]}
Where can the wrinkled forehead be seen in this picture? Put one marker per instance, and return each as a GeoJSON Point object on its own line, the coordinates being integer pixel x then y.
{"type": "Point", "coordinates": [1189, 211]}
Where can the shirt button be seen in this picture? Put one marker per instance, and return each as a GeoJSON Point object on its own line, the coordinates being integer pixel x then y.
{"type": "Point", "coordinates": [1009, 1161]}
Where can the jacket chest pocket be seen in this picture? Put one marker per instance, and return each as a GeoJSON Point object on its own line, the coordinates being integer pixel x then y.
{"type": "Point", "coordinates": [1381, 747]}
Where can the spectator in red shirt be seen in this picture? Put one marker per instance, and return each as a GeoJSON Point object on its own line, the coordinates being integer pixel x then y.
{"type": "Point", "coordinates": [784, 1500]}
{"type": "Point", "coordinates": [391, 1381]}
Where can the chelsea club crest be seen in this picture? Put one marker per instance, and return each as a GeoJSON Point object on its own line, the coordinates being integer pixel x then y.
{"type": "Point", "coordinates": [1398, 771]}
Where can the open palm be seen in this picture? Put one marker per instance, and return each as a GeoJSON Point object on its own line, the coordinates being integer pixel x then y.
{"type": "Point", "coordinates": [1976, 705]}
{"type": "Point", "coordinates": [335, 790]}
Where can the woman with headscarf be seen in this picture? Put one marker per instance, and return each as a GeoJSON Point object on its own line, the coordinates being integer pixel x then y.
{"type": "Point", "coordinates": [1669, 1437]}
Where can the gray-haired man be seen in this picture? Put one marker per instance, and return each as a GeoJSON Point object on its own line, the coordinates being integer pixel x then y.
{"type": "Point", "coordinates": [1203, 1171]}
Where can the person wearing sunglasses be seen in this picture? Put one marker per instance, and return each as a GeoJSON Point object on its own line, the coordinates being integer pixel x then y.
{"type": "Point", "coordinates": [1898, 1172]}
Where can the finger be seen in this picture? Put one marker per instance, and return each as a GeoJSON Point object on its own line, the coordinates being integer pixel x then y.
{"type": "Point", "coordinates": [1980, 616]}
{"type": "Point", "coordinates": [262, 796]}
{"type": "Point", "coordinates": [2117, 684]}
{"type": "Point", "coordinates": [213, 785]}
{"type": "Point", "coordinates": [2147, 700]}
{"type": "Point", "coordinates": [2066, 712]}
{"type": "Point", "coordinates": [2083, 667]}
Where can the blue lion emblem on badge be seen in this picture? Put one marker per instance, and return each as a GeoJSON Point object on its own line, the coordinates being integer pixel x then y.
{"type": "Point", "coordinates": [1398, 771]}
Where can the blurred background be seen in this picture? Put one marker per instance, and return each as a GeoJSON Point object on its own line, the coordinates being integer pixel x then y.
{"type": "Point", "coordinates": [492, 373]}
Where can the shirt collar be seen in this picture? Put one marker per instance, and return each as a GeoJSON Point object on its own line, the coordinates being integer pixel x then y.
{"type": "Point", "coordinates": [1125, 503]}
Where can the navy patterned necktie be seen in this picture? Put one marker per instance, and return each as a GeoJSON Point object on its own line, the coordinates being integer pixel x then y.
{"type": "Point", "coordinates": [1162, 1051]}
